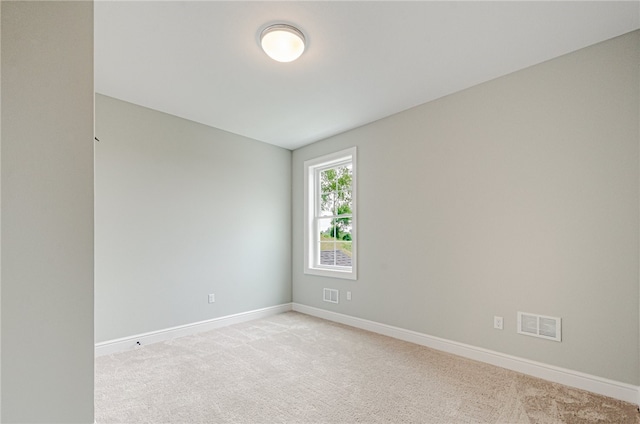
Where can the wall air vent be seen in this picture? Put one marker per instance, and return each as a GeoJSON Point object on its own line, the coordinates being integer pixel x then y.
{"type": "Point", "coordinates": [549, 328]}
{"type": "Point", "coordinates": [330, 295]}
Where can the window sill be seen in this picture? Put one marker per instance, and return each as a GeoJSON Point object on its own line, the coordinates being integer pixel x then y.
{"type": "Point", "coordinates": [332, 273]}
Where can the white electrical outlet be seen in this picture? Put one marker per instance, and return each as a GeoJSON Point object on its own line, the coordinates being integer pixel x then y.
{"type": "Point", "coordinates": [348, 295]}
{"type": "Point", "coordinates": [498, 323]}
{"type": "Point", "coordinates": [212, 298]}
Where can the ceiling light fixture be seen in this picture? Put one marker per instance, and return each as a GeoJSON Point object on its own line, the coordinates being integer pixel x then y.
{"type": "Point", "coordinates": [282, 42]}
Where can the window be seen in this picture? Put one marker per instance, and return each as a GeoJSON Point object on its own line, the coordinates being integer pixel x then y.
{"type": "Point", "coordinates": [330, 215]}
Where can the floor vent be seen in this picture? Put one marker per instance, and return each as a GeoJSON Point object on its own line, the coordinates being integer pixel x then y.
{"type": "Point", "coordinates": [549, 328]}
{"type": "Point", "coordinates": [331, 295]}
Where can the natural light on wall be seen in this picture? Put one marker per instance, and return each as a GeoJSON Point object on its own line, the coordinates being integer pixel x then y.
{"type": "Point", "coordinates": [282, 42]}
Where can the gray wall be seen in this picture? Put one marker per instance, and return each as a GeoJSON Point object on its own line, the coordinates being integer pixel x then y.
{"type": "Point", "coordinates": [0, 213]}
{"type": "Point", "coordinates": [184, 210]}
{"type": "Point", "coordinates": [47, 212]}
{"type": "Point", "coordinates": [520, 194]}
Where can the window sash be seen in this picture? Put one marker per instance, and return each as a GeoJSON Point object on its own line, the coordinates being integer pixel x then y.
{"type": "Point", "coordinates": [314, 215]}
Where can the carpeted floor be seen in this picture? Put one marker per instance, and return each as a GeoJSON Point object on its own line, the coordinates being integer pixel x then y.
{"type": "Point", "coordinates": [293, 368]}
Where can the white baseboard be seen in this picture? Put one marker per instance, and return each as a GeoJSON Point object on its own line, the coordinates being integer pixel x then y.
{"type": "Point", "coordinates": [129, 343]}
{"type": "Point", "coordinates": [591, 383]}
{"type": "Point", "coordinates": [594, 384]}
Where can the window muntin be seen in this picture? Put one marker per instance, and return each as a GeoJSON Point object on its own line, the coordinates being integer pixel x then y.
{"type": "Point", "coordinates": [330, 240]}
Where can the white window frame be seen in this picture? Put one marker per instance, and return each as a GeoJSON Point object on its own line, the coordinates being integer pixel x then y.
{"type": "Point", "coordinates": [311, 195]}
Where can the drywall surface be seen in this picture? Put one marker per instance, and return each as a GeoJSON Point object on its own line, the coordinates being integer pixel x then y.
{"type": "Point", "coordinates": [0, 214]}
{"type": "Point", "coordinates": [47, 212]}
{"type": "Point", "coordinates": [520, 194]}
{"type": "Point", "coordinates": [182, 211]}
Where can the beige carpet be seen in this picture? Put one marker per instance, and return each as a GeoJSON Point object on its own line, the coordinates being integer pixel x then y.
{"type": "Point", "coordinates": [293, 368]}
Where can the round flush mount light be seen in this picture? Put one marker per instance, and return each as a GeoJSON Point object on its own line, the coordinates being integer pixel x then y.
{"type": "Point", "coordinates": [282, 42]}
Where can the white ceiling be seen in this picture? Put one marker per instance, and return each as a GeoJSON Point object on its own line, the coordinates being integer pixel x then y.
{"type": "Point", "coordinates": [201, 60]}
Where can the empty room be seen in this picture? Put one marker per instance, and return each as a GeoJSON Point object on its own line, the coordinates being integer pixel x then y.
{"type": "Point", "coordinates": [310, 212]}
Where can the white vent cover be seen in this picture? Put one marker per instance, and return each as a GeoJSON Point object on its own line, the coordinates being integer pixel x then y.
{"type": "Point", "coordinates": [549, 328]}
{"type": "Point", "coordinates": [330, 295]}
